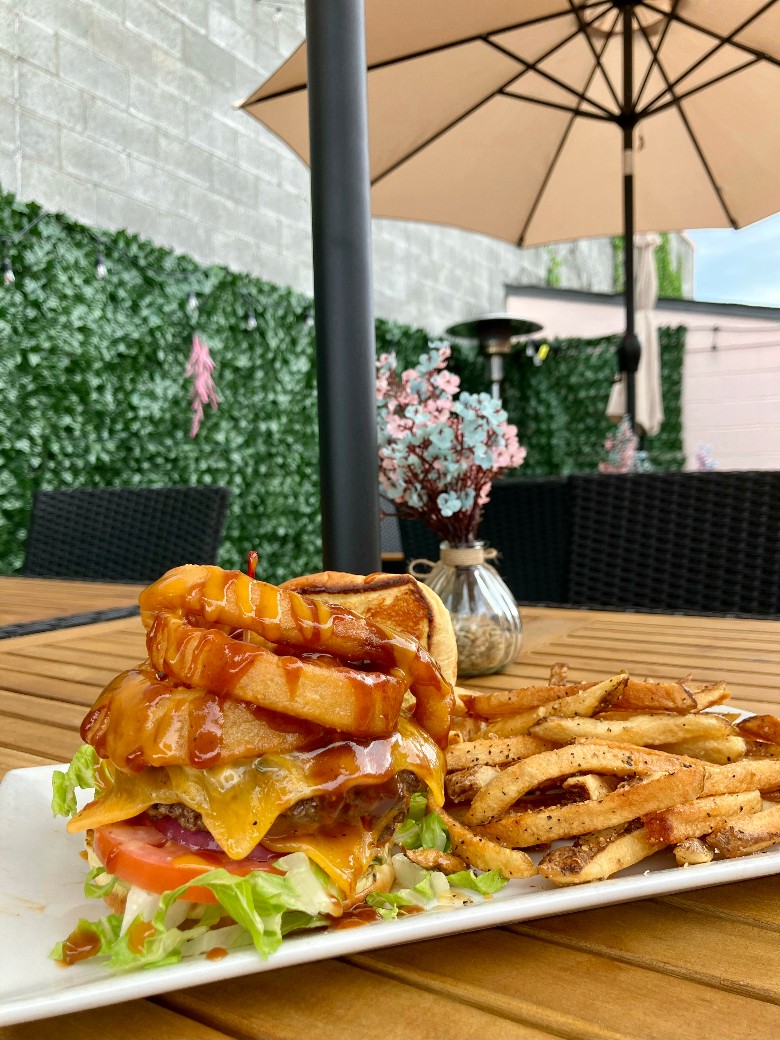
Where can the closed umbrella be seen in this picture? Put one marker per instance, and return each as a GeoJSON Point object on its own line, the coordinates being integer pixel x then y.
{"type": "Point", "coordinates": [649, 413]}
{"type": "Point", "coordinates": [533, 120]}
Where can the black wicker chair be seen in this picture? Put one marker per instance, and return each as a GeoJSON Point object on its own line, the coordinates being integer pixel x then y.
{"type": "Point", "coordinates": [123, 534]}
{"type": "Point", "coordinates": [690, 542]}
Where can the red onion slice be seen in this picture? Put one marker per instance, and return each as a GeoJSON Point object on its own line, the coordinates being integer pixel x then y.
{"type": "Point", "coordinates": [203, 841]}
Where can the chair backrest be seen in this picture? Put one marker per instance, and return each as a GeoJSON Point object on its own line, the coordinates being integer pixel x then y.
{"type": "Point", "coordinates": [704, 542]}
{"type": "Point", "coordinates": [697, 543]}
{"type": "Point", "coordinates": [123, 534]}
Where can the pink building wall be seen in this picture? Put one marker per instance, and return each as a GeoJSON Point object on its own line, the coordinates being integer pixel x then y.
{"type": "Point", "coordinates": [731, 368]}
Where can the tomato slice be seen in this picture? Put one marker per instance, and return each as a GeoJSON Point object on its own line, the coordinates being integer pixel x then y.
{"type": "Point", "coordinates": [139, 854]}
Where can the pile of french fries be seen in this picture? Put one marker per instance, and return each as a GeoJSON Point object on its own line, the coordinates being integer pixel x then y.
{"type": "Point", "coordinates": [617, 770]}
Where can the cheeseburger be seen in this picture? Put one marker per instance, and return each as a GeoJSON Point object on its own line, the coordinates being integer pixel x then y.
{"type": "Point", "coordinates": [249, 776]}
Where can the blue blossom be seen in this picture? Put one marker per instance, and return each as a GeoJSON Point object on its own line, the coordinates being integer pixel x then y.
{"type": "Point", "coordinates": [448, 503]}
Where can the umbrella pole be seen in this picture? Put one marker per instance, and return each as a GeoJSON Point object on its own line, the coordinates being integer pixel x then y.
{"type": "Point", "coordinates": [343, 305]}
{"type": "Point", "coordinates": [630, 349]}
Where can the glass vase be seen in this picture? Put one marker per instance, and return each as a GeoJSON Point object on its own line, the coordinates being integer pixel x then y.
{"type": "Point", "coordinates": [487, 624]}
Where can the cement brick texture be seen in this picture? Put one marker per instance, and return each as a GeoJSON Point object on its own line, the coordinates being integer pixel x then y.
{"type": "Point", "coordinates": [121, 113]}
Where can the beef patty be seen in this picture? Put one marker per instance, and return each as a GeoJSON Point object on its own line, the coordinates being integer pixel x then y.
{"type": "Point", "coordinates": [379, 806]}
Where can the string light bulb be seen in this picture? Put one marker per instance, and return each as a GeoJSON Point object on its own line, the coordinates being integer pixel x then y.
{"type": "Point", "coordinates": [8, 272]}
{"type": "Point", "coordinates": [251, 320]}
{"type": "Point", "coordinates": [100, 266]}
{"type": "Point", "coordinates": [192, 302]}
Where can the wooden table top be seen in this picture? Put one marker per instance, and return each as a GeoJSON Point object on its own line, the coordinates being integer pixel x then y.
{"type": "Point", "coordinates": [36, 599]}
{"type": "Point", "coordinates": [699, 963]}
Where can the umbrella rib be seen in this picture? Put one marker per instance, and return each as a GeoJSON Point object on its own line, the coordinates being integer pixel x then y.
{"type": "Point", "coordinates": [576, 11]}
{"type": "Point", "coordinates": [694, 141]}
{"type": "Point", "coordinates": [655, 52]}
{"type": "Point", "coordinates": [608, 118]}
{"type": "Point", "coordinates": [697, 89]}
{"type": "Point", "coordinates": [441, 131]}
{"type": "Point", "coordinates": [723, 41]}
{"type": "Point", "coordinates": [551, 166]}
{"type": "Point", "coordinates": [427, 51]}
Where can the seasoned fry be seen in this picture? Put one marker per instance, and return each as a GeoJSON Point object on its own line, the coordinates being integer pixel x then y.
{"type": "Point", "coordinates": [512, 702]}
{"type": "Point", "coordinates": [576, 864]}
{"type": "Point", "coordinates": [433, 859]}
{"type": "Point", "coordinates": [751, 774]}
{"type": "Point", "coordinates": [758, 749]}
{"type": "Point", "coordinates": [558, 673]}
{"type": "Point", "coordinates": [708, 696]}
{"type": "Point", "coordinates": [677, 824]}
{"type": "Point", "coordinates": [591, 785]}
{"type": "Point", "coordinates": [582, 702]}
{"type": "Point", "coordinates": [512, 783]}
{"type": "Point", "coordinates": [487, 752]}
{"type": "Point", "coordinates": [761, 727]}
{"type": "Point", "coordinates": [483, 853]}
{"type": "Point", "coordinates": [691, 852]}
{"type": "Point", "coordinates": [720, 752]}
{"type": "Point", "coordinates": [464, 784]}
{"type": "Point", "coordinates": [642, 729]}
{"type": "Point", "coordinates": [745, 835]}
{"type": "Point", "coordinates": [654, 696]}
{"type": "Point", "coordinates": [653, 792]}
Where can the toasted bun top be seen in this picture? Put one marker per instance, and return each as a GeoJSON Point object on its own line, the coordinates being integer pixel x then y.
{"type": "Point", "coordinates": [396, 600]}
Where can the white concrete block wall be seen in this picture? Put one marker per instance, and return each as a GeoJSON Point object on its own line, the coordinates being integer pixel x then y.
{"type": "Point", "coordinates": [120, 113]}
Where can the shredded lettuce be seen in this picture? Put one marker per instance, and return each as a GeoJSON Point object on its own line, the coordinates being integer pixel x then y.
{"type": "Point", "coordinates": [387, 904]}
{"type": "Point", "coordinates": [94, 888]}
{"type": "Point", "coordinates": [421, 829]}
{"type": "Point", "coordinates": [264, 906]}
{"type": "Point", "coordinates": [79, 774]}
{"type": "Point", "coordinates": [106, 929]}
{"type": "Point", "coordinates": [486, 884]}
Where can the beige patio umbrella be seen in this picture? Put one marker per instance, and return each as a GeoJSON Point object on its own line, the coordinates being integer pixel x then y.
{"type": "Point", "coordinates": [533, 120]}
{"type": "Point", "coordinates": [649, 412]}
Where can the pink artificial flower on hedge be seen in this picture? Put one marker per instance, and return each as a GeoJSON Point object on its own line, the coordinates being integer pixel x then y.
{"type": "Point", "coordinates": [200, 368]}
{"type": "Point", "coordinates": [438, 453]}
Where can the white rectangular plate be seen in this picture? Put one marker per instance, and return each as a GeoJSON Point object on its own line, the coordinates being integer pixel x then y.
{"type": "Point", "coordinates": [41, 899]}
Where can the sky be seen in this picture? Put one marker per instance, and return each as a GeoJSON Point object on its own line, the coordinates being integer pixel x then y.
{"type": "Point", "coordinates": [739, 266]}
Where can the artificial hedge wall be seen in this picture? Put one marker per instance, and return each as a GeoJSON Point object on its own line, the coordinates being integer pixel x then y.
{"type": "Point", "coordinates": [93, 393]}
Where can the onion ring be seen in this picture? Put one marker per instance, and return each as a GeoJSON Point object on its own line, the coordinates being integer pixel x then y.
{"type": "Point", "coordinates": [289, 620]}
{"type": "Point", "coordinates": [318, 689]}
{"type": "Point", "coordinates": [141, 720]}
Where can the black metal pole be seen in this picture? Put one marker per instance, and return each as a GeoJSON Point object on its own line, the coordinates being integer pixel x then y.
{"type": "Point", "coordinates": [343, 307]}
{"type": "Point", "coordinates": [630, 349]}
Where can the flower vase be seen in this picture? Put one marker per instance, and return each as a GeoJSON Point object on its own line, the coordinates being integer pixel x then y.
{"type": "Point", "coordinates": [485, 617]}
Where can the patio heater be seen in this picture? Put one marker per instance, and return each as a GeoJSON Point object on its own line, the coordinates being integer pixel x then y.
{"type": "Point", "coordinates": [496, 334]}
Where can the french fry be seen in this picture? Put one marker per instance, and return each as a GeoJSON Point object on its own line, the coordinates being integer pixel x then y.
{"type": "Point", "coordinates": [691, 852]}
{"type": "Point", "coordinates": [481, 852]}
{"type": "Point", "coordinates": [680, 822]}
{"type": "Point", "coordinates": [558, 673]}
{"type": "Point", "coordinates": [464, 784]}
{"type": "Point", "coordinates": [591, 785]}
{"type": "Point", "coordinates": [653, 792]}
{"type": "Point", "coordinates": [487, 752]}
{"type": "Point", "coordinates": [654, 696]}
{"type": "Point", "coordinates": [708, 696]}
{"type": "Point", "coordinates": [759, 749]}
{"type": "Point", "coordinates": [500, 793]}
{"type": "Point", "coordinates": [642, 729]}
{"type": "Point", "coordinates": [583, 702]}
{"type": "Point", "coordinates": [576, 864]}
{"type": "Point", "coordinates": [746, 835]}
{"type": "Point", "coordinates": [512, 702]}
{"type": "Point", "coordinates": [761, 727]}
{"type": "Point", "coordinates": [720, 752]}
{"type": "Point", "coordinates": [750, 774]}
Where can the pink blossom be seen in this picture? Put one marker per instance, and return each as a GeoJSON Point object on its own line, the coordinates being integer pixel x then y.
{"type": "Point", "coordinates": [200, 368]}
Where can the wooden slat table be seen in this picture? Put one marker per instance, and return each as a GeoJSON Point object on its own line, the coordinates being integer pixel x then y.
{"type": "Point", "coordinates": [701, 963]}
{"type": "Point", "coordinates": [35, 599]}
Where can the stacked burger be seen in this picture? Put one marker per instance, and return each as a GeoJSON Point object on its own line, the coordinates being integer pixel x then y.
{"type": "Point", "coordinates": [251, 773]}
